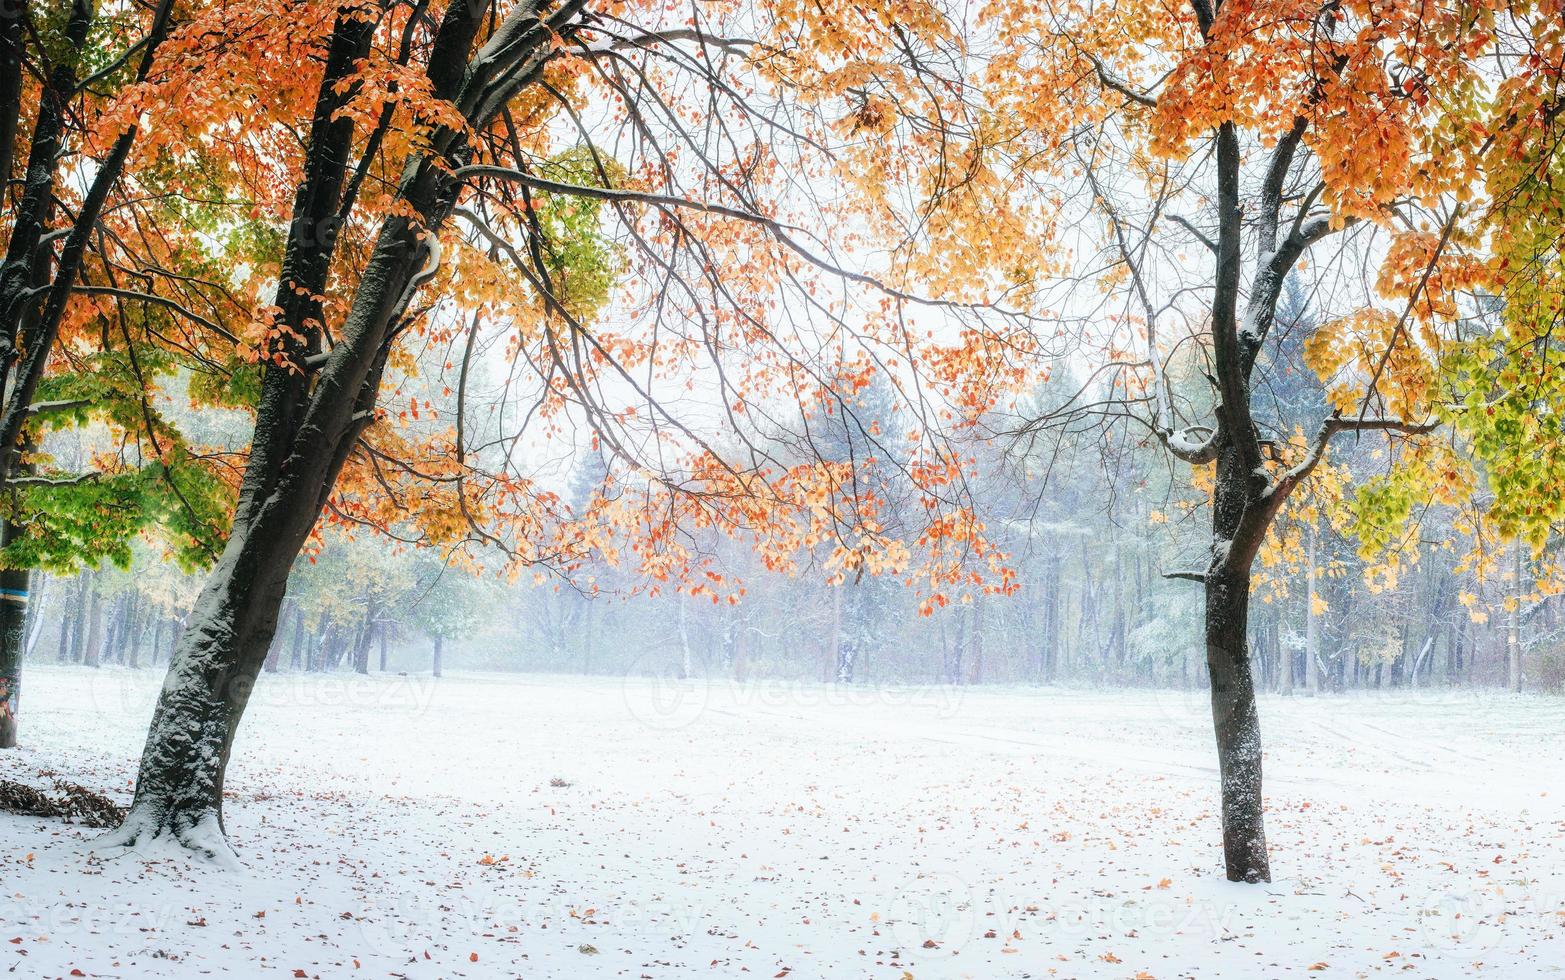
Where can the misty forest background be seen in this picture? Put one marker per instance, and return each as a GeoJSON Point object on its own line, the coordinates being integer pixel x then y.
{"type": "Point", "coordinates": [1094, 514]}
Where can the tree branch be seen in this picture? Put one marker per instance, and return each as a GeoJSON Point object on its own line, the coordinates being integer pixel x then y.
{"type": "Point", "coordinates": [1330, 427]}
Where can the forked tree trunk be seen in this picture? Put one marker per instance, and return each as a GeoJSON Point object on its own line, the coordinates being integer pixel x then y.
{"type": "Point", "coordinates": [361, 649]}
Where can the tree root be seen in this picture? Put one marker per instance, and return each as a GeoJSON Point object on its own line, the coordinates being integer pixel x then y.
{"type": "Point", "coordinates": [198, 837]}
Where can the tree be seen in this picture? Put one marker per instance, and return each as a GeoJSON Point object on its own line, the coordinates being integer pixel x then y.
{"type": "Point", "coordinates": [1220, 149]}
{"type": "Point", "coordinates": [66, 358]}
{"type": "Point", "coordinates": [449, 606]}
{"type": "Point", "coordinates": [457, 113]}
{"type": "Point", "coordinates": [31, 272]}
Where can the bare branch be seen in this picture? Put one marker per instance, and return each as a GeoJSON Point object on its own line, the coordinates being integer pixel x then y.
{"type": "Point", "coordinates": [1200, 236]}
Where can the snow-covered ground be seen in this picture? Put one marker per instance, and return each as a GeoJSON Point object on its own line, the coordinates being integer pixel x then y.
{"type": "Point", "coordinates": [492, 826]}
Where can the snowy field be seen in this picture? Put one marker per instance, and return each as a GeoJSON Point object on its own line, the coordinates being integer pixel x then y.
{"type": "Point", "coordinates": [495, 826]}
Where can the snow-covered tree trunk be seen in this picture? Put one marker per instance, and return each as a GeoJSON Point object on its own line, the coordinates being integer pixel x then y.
{"type": "Point", "coordinates": [850, 632]}
{"type": "Point", "coordinates": [1235, 719]}
{"type": "Point", "coordinates": [361, 647]}
{"type": "Point", "coordinates": [212, 670]}
{"type": "Point", "coordinates": [439, 644]}
{"type": "Point", "coordinates": [1238, 728]}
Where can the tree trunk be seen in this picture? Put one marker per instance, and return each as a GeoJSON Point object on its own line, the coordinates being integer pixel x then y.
{"type": "Point", "coordinates": [849, 632]}
{"type": "Point", "coordinates": [1048, 653]}
{"type": "Point", "coordinates": [361, 647]}
{"type": "Point", "coordinates": [92, 651]}
{"type": "Point", "coordinates": [1238, 728]}
{"type": "Point", "coordinates": [381, 629]}
{"type": "Point", "coordinates": [109, 652]}
{"type": "Point", "coordinates": [13, 633]}
{"type": "Point", "coordinates": [136, 626]}
{"type": "Point", "coordinates": [298, 638]}
{"type": "Point", "coordinates": [179, 789]}
{"type": "Point", "coordinates": [1513, 630]}
{"type": "Point", "coordinates": [79, 619]}
{"type": "Point", "coordinates": [305, 428]}
{"type": "Point", "coordinates": [977, 659]}
{"type": "Point", "coordinates": [64, 652]}
{"type": "Point", "coordinates": [686, 655]}
{"type": "Point", "coordinates": [1311, 626]}
{"type": "Point", "coordinates": [439, 645]}
{"type": "Point", "coordinates": [958, 650]}
{"type": "Point", "coordinates": [37, 602]}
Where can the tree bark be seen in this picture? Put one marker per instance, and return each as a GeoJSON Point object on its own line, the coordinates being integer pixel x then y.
{"type": "Point", "coordinates": [179, 788]}
{"type": "Point", "coordinates": [13, 631]}
{"type": "Point", "coordinates": [439, 649]}
{"type": "Point", "coordinates": [1238, 728]}
{"type": "Point", "coordinates": [1237, 530]}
